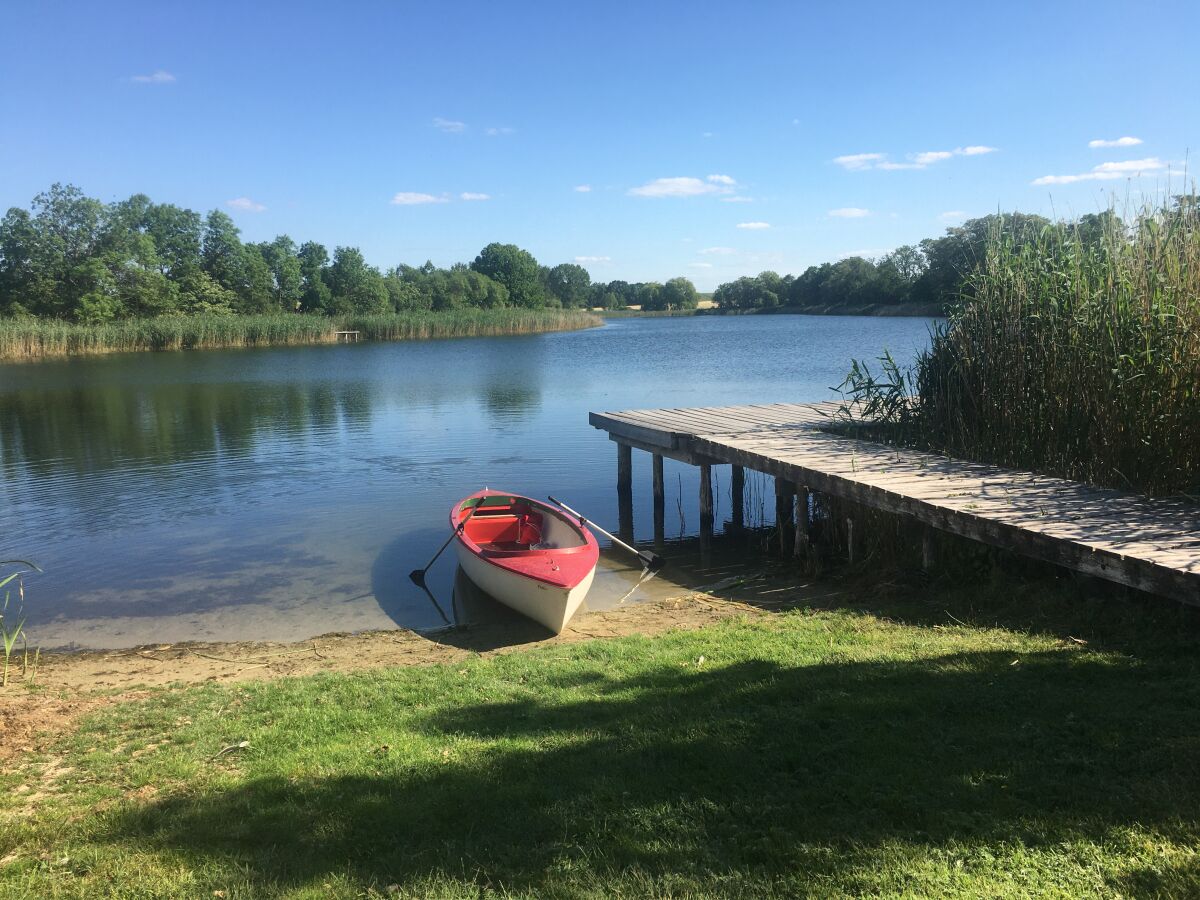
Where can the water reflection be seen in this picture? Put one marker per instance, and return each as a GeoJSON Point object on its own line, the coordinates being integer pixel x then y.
{"type": "Point", "coordinates": [288, 492]}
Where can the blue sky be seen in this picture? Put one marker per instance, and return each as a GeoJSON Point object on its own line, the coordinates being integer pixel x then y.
{"type": "Point", "coordinates": [712, 140]}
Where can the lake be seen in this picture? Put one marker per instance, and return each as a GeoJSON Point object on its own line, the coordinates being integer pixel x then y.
{"type": "Point", "coordinates": [282, 493]}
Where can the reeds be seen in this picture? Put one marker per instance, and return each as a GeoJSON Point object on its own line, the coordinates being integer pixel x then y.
{"type": "Point", "coordinates": [1074, 354]}
{"type": "Point", "coordinates": [30, 339]}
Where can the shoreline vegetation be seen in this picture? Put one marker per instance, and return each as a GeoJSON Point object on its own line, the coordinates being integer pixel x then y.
{"type": "Point", "coordinates": [72, 258]}
{"type": "Point", "coordinates": [36, 339]}
{"type": "Point", "coordinates": [1074, 352]}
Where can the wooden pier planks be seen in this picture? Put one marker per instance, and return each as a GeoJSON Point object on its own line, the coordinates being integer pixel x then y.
{"type": "Point", "coordinates": [1153, 545]}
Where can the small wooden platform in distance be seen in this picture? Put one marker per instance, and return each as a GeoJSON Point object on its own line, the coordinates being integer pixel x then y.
{"type": "Point", "coordinates": [1149, 544]}
{"type": "Point", "coordinates": [349, 337]}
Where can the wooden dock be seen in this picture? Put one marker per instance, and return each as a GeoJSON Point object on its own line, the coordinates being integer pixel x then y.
{"type": "Point", "coordinates": [1149, 544]}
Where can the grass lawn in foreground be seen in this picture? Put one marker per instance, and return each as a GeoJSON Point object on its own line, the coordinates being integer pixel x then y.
{"type": "Point", "coordinates": [814, 752]}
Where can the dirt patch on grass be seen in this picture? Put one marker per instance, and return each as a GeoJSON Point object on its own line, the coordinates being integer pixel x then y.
{"type": "Point", "coordinates": [69, 685]}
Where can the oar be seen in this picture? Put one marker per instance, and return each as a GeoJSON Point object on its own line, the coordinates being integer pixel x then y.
{"type": "Point", "coordinates": [418, 575]}
{"type": "Point", "coordinates": [651, 561]}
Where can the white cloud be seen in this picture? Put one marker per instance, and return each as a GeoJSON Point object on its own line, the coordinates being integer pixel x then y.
{"type": "Point", "coordinates": [707, 134]}
{"type": "Point", "coordinates": [722, 179]}
{"type": "Point", "coordinates": [856, 161]}
{"type": "Point", "coordinates": [245, 204]}
{"type": "Point", "coordinates": [412, 198]}
{"type": "Point", "coordinates": [471, 195]}
{"type": "Point", "coordinates": [1119, 142]}
{"type": "Point", "coordinates": [859, 161]}
{"type": "Point", "coordinates": [717, 251]}
{"type": "Point", "coordinates": [159, 76]}
{"type": "Point", "coordinates": [593, 259]}
{"type": "Point", "coordinates": [1131, 165]}
{"type": "Point", "coordinates": [449, 126]}
{"type": "Point", "coordinates": [754, 226]}
{"type": "Point", "coordinates": [737, 199]}
{"type": "Point", "coordinates": [502, 131]}
{"type": "Point", "coordinates": [850, 212]}
{"type": "Point", "coordinates": [1107, 171]}
{"type": "Point", "coordinates": [679, 187]}
{"type": "Point", "coordinates": [953, 215]}
{"type": "Point", "coordinates": [583, 188]}
{"type": "Point", "coordinates": [701, 265]}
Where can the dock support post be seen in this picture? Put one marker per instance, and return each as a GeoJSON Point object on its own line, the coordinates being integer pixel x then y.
{"type": "Point", "coordinates": [659, 502]}
{"type": "Point", "coordinates": [737, 490]}
{"type": "Point", "coordinates": [850, 540]}
{"type": "Point", "coordinates": [706, 507]}
{"type": "Point", "coordinates": [927, 549]}
{"type": "Point", "coordinates": [802, 520]}
{"type": "Point", "coordinates": [783, 516]}
{"type": "Point", "coordinates": [625, 491]}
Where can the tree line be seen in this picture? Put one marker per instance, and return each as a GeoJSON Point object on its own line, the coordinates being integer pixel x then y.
{"type": "Point", "coordinates": [70, 256]}
{"type": "Point", "coordinates": [933, 273]}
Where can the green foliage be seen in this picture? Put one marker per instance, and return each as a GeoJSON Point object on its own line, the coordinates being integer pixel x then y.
{"type": "Point", "coordinates": [12, 617]}
{"type": "Point", "coordinates": [1075, 351]}
{"type": "Point", "coordinates": [911, 748]}
{"type": "Point", "coordinates": [71, 257]}
{"type": "Point", "coordinates": [934, 274]}
{"type": "Point", "coordinates": [678, 293]}
{"type": "Point", "coordinates": [514, 268]}
{"type": "Point", "coordinates": [569, 282]}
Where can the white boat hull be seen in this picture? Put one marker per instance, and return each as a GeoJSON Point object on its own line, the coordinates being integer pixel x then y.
{"type": "Point", "coordinates": [546, 604]}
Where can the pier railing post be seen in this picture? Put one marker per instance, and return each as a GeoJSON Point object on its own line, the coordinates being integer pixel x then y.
{"type": "Point", "coordinates": [625, 491]}
{"type": "Point", "coordinates": [737, 490]}
{"type": "Point", "coordinates": [659, 502]}
{"type": "Point", "coordinates": [783, 516]}
{"type": "Point", "coordinates": [927, 559]}
{"type": "Point", "coordinates": [802, 520]}
{"type": "Point", "coordinates": [706, 507]}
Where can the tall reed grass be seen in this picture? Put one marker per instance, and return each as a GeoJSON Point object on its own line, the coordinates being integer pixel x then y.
{"type": "Point", "coordinates": [1072, 354]}
{"type": "Point", "coordinates": [29, 339]}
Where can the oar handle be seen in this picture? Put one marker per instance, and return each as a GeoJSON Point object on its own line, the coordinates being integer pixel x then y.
{"type": "Point", "coordinates": [650, 559]}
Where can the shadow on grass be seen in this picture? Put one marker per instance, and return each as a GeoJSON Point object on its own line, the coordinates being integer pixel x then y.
{"type": "Point", "coordinates": [753, 778]}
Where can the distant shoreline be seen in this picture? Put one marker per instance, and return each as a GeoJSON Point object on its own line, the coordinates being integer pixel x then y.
{"type": "Point", "coordinates": [32, 340]}
{"type": "Point", "coordinates": [884, 310]}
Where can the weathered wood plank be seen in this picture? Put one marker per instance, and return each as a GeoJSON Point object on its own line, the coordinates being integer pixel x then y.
{"type": "Point", "coordinates": [1153, 545]}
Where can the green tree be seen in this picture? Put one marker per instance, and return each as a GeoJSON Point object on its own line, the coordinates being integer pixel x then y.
{"type": "Point", "coordinates": [315, 295]}
{"type": "Point", "coordinates": [257, 290]}
{"type": "Point", "coordinates": [679, 293]}
{"type": "Point", "coordinates": [514, 268]}
{"type": "Point", "coordinates": [222, 254]}
{"type": "Point", "coordinates": [356, 286]}
{"type": "Point", "coordinates": [178, 236]}
{"type": "Point", "coordinates": [649, 296]}
{"type": "Point", "coordinates": [569, 283]}
{"type": "Point", "coordinates": [286, 276]}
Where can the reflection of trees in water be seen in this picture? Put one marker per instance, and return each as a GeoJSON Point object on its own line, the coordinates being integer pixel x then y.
{"type": "Point", "coordinates": [176, 410]}
{"type": "Point", "coordinates": [94, 429]}
{"type": "Point", "coordinates": [510, 383]}
{"type": "Point", "coordinates": [511, 401]}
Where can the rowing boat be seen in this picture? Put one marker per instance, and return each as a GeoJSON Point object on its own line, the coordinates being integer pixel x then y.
{"type": "Point", "coordinates": [532, 557]}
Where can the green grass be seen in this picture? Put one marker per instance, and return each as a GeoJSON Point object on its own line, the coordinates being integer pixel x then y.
{"type": "Point", "coordinates": [22, 339]}
{"type": "Point", "coordinates": [814, 753]}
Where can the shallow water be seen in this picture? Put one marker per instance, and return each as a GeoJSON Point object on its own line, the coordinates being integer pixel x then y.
{"type": "Point", "coordinates": [277, 494]}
